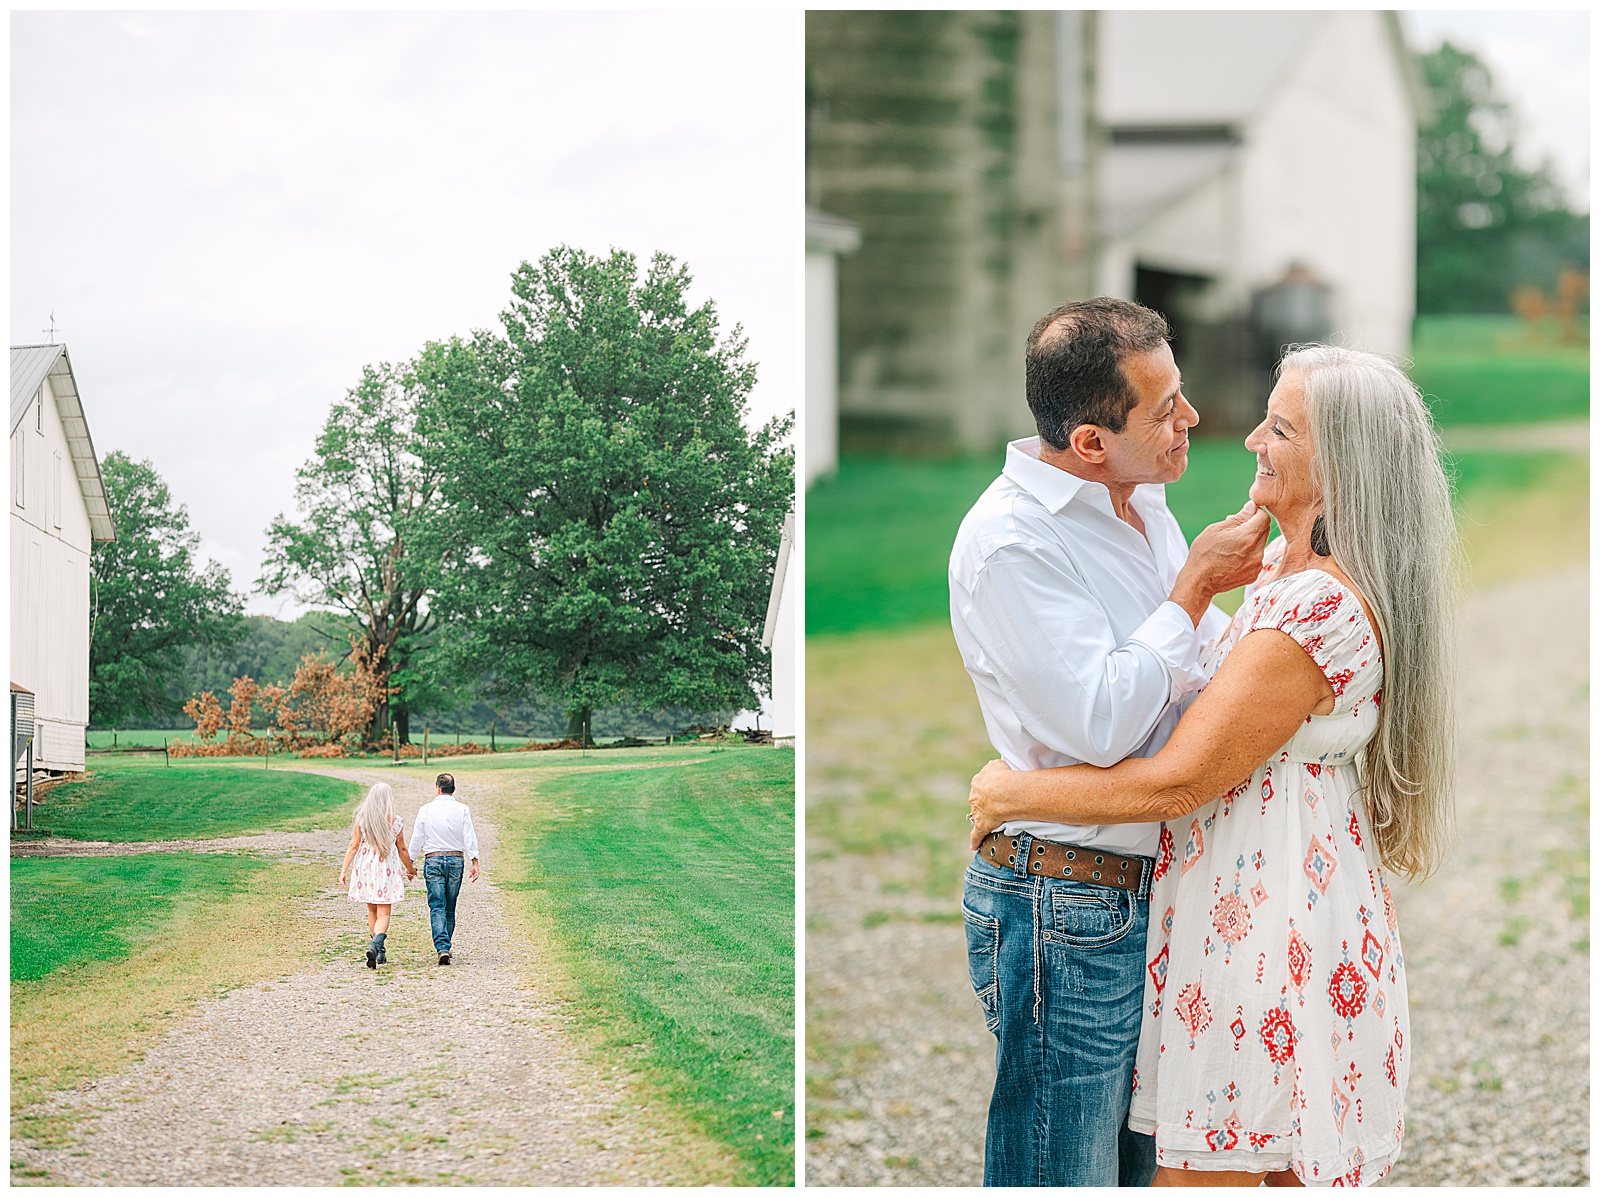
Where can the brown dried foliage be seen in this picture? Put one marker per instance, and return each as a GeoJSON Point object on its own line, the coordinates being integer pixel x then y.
{"type": "Point", "coordinates": [324, 711]}
{"type": "Point", "coordinates": [1535, 308]}
{"type": "Point", "coordinates": [470, 748]}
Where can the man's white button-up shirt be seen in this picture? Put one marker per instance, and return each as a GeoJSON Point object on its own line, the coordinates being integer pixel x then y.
{"type": "Point", "coordinates": [444, 825]}
{"type": "Point", "coordinates": [1061, 614]}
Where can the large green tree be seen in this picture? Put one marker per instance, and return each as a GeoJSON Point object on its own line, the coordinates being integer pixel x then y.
{"type": "Point", "coordinates": [1484, 224]}
{"type": "Point", "coordinates": [360, 498]}
{"type": "Point", "coordinates": [151, 601]}
{"type": "Point", "coordinates": [608, 524]}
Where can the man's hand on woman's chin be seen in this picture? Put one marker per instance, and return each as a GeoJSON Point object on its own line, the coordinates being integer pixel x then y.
{"type": "Point", "coordinates": [984, 801]}
{"type": "Point", "coordinates": [1225, 555]}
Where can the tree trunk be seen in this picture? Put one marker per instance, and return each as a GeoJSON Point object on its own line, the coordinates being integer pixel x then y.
{"type": "Point", "coordinates": [580, 724]}
{"type": "Point", "coordinates": [378, 731]}
{"type": "Point", "coordinates": [402, 722]}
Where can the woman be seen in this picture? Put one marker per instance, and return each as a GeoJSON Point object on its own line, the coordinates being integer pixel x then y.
{"type": "Point", "coordinates": [1274, 1036]}
{"type": "Point", "coordinates": [378, 847]}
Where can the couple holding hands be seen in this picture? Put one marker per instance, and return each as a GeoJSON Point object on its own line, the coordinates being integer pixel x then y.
{"type": "Point", "coordinates": [444, 838]}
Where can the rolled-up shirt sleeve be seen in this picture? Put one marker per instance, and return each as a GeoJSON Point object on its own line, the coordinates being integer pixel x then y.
{"type": "Point", "coordinates": [1052, 652]}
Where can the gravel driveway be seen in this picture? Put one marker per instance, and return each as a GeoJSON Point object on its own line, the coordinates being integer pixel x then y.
{"type": "Point", "coordinates": [413, 1074]}
{"type": "Point", "coordinates": [900, 1066]}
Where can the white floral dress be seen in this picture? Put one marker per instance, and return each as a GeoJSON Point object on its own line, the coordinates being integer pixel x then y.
{"type": "Point", "coordinates": [1274, 1029]}
{"type": "Point", "coordinates": [378, 879]}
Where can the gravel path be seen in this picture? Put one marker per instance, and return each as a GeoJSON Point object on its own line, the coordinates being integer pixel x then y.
{"type": "Point", "coordinates": [1496, 944]}
{"type": "Point", "coordinates": [413, 1074]}
{"type": "Point", "coordinates": [1566, 436]}
{"type": "Point", "coordinates": [302, 847]}
{"type": "Point", "coordinates": [1496, 948]}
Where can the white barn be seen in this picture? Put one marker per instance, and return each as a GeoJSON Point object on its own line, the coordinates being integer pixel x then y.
{"type": "Point", "coordinates": [779, 636]}
{"type": "Point", "coordinates": [1254, 161]}
{"type": "Point", "coordinates": [826, 238]}
{"type": "Point", "coordinates": [58, 508]}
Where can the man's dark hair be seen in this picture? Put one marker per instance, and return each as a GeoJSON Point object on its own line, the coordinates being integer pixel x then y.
{"type": "Point", "coordinates": [1074, 371]}
{"type": "Point", "coordinates": [446, 783]}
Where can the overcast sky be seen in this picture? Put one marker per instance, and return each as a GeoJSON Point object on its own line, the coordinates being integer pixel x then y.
{"type": "Point", "coordinates": [1541, 62]}
{"type": "Point", "coordinates": [230, 213]}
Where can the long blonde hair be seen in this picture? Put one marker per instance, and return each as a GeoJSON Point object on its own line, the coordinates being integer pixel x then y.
{"type": "Point", "coordinates": [1389, 526]}
{"type": "Point", "coordinates": [375, 818]}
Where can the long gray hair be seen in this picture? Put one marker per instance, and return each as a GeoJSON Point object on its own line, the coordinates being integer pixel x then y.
{"type": "Point", "coordinates": [375, 817]}
{"type": "Point", "coordinates": [1386, 501]}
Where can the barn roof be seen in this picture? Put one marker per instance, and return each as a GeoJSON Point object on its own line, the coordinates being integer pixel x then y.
{"type": "Point", "coordinates": [1193, 68]}
{"type": "Point", "coordinates": [30, 365]}
{"type": "Point", "coordinates": [1199, 69]}
{"type": "Point", "coordinates": [1175, 92]}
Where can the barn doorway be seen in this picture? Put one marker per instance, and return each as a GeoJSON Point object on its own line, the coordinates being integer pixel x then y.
{"type": "Point", "coordinates": [1212, 349]}
{"type": "Point", "coordinates": [1175, 296]}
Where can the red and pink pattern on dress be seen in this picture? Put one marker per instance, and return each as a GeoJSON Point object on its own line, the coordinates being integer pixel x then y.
{"type": "Point", "coordinates": [1272, 964]}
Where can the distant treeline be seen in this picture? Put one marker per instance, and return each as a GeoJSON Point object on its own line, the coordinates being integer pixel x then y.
{"type": "Point", "coordinates": [1492, 235]}
{"type": "Point", "coordinates": [271, 648]}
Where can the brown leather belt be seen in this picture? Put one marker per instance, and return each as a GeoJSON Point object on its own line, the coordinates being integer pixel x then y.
{"type": "Point", "coordinates": [426, 855]}
{"type": "Point", "coordinates": [1092, 866]}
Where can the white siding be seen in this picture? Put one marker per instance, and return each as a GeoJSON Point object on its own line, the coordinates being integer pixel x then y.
{"type": "Point", "coordinates": [50, 588]}
{"type": "Point", "coordinates": [1325, 178]}
{"type": "Point", "coordinates": [1199, 234]}
{"type": "Point", "coordinates": [822, 364]}
{"type": "Point", "coordinates": [785, 676]}
{"type": "Point", "coordinates": [1330, 181]}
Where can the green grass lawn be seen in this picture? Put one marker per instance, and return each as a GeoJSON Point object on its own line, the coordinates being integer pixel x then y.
{"type": "Point", "coordinates": [1473, 386]}
{"type": "Point", "coordinates": [67, 911]}
{"type": "Point", "coordinates": [672, 895]}
{"type": "Point", "coordinates": [156, 737]}
{"type": "Point", "coordinates": [142, 800]}
{"type": "Point", "coordinates": [566, 758]}
{"type": "Point", "coordinates": [138, 737]}
{"type": "Point", "coordinates": [504, 759]}
{"type": "Point", "coordinates": [1496, 370]}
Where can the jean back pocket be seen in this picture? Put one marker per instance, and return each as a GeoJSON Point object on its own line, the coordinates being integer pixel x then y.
{"type": "Point", "coordinates": [983, 962]}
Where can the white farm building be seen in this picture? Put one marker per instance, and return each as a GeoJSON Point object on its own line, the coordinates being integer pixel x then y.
{"type": "Point", "coordinates": [827, 237]}
{"type": "Point", "coordinates": [779, 636]}
{"type": "Point", "coordinates": [58, 509]}
{"type": "Point", "coordinates": [1257, 184]}
{"type": "Point", "coordinates": [1249, 173]}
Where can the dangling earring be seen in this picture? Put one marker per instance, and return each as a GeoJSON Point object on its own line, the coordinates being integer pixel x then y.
{"type": "Point", "coordinates": [1319, 537]}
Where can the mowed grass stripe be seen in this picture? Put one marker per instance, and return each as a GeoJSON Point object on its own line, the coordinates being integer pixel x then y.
{"type": "Point", "coordinates": [672, 895]}
{"type": "Point", "coordinates": [243, 921]}
{"type": "Point", "coordinates": [135, 801]}
{"type": "Point", "coordinates": [79, 910]}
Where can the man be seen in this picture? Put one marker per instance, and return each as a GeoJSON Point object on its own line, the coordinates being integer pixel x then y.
{"type": "Point", "coordinates": [442, 836]}
{"type": "Point", "coordinates": [1080, 614]}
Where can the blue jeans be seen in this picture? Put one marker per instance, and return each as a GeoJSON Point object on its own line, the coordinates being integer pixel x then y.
{"type": "Point", "coordinates": [442, 874]}
{"type": "Point", "coordinates": [1058, 967]}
